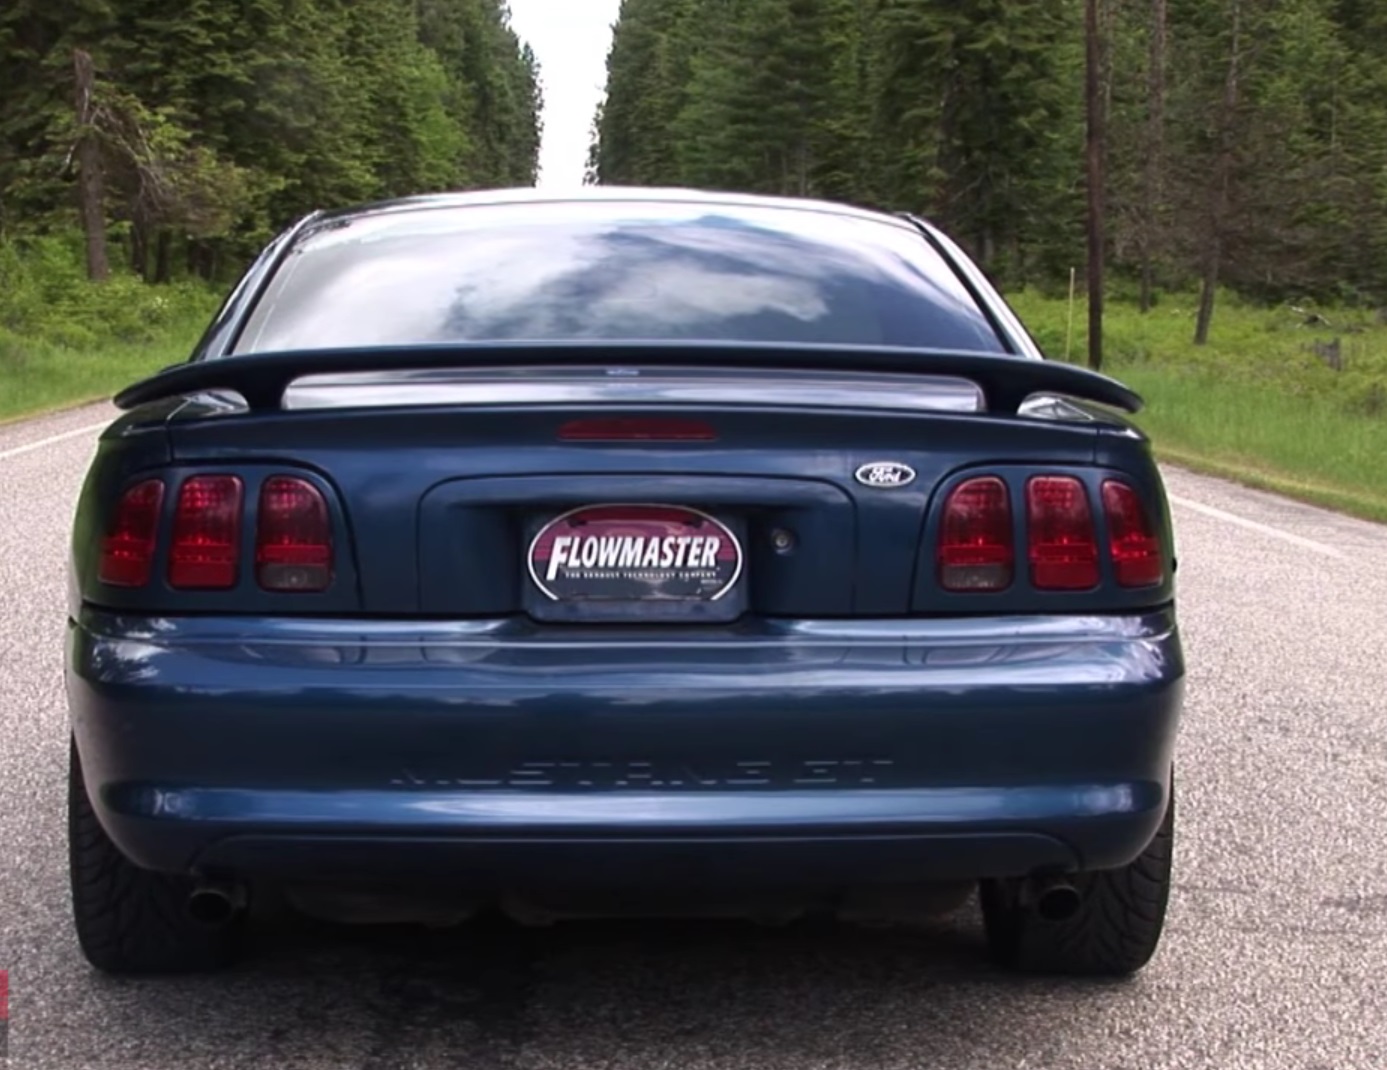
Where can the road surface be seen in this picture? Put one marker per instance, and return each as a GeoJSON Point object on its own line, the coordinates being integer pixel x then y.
{"type": "Point", "coordinates": [1276, 947]}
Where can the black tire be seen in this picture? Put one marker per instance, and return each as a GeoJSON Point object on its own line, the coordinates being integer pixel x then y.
{"type": "Point", "coordinates": [131, 920]}
{"type": "Point", "coordinates": [1115, 931]}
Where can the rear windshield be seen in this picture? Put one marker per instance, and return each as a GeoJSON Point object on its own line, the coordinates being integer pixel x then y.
{"type": "Point", "coordinates": [614, 272]}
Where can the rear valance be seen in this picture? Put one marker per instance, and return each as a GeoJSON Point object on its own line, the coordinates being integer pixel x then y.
{"type": "Point", "coordinates": [263, 378]}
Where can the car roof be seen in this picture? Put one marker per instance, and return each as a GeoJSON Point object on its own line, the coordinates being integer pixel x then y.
{"type": "Point", "coordinates": [613, 195]}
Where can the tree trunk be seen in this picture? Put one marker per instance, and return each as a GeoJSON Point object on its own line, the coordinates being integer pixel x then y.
{"type": "Point", "coordinates": [1218, 192]}
{"type": "Point", "coordinates": [139, 249]}
{"type": "Point", "coordinates": [91, 186]}
{"type": "Point", "coordinates": [1096, 135]}
{"type": "Point", "coordinates": [163, 257]}
{"type": "Point", "coordinates": [1155, 151]}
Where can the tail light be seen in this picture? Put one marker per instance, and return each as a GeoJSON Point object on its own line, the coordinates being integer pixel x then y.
{"type": "Point", "coordinates": [293, 538]}
{"type": "Point", "coordinates": [976, 546]}
{"type": "Point", "coordinates": [1132, 540]}
{"type": "Point", "coordinates": [127, 550]}
{"type": "Point", "coordinates": [1060, 532]}
{"type": "Point", "coordinates": [206, 545]}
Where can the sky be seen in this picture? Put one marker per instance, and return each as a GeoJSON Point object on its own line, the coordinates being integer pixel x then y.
{"type": "Point", "coordinates": [570, 39]}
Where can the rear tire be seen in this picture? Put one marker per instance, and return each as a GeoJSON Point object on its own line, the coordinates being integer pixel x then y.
{"type": "Point", "coordinates": [1115, 931]}
{"type": "Point", "coordinates": [131, 920]}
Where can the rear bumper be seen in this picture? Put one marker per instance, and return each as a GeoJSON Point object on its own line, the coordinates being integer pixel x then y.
{"type": "Point", "coordinates": [497, 754]}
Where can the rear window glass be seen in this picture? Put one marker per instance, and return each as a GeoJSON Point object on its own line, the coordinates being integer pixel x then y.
{"type": "Point", "coordinates": [614, 272]}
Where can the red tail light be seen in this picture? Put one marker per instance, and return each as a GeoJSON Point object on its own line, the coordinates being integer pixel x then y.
{"type": "Point", "coordinates": [206, 543]}
{"type": "Point", "coordinates": [1059, 527]}
{"type": "Point", "coordinates": [1132, 540]}
{"type": "Point", "coordinates": [976, 547]}
{"type": "Point", "coordinates": [127, 551]}
{"type": "Point", "coordinates": [293, 538]}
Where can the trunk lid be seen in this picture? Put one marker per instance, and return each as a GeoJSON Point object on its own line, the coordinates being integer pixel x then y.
{"type": "Point", "coordinates": [444, 502]}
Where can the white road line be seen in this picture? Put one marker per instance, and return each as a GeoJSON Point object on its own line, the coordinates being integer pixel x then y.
{"type": "Point", "coordinates": [29, 447]}
{"type": "Point", "coordinates": [1264, 529]}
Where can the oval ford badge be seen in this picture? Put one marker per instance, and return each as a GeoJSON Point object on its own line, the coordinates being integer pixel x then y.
{"type": "Point", "coordinates": [634, 553]}
{"type": "Point", "coordinates": [885, 474]}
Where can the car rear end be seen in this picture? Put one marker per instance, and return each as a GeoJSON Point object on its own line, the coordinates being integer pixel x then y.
{"type": "Point", "coordinates": [642, 617]}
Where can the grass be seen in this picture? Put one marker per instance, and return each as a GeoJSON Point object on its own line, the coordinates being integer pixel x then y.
{"type": "Point", "coordinates": [1257, 404]}
{"type": "Point", "coordinates": [40, 376]}
{"type": "Point", "coordinates": [65, 340]}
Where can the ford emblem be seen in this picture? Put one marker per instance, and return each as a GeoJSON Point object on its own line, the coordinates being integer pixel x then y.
{"type": "Point", "coordinates": [885, 474]}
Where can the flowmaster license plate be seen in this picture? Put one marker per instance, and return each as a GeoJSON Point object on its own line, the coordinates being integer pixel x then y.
{"type": "Point", "coordinates": [636, 562]}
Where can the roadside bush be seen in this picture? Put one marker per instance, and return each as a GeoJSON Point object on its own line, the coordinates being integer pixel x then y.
{"type": "Point", "coordinates": [45, 299]}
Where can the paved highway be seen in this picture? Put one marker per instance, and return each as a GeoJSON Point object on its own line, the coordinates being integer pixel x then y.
{"type": "Point", "coordinates": [1276, 948]}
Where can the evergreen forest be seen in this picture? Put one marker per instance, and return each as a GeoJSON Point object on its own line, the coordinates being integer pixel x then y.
{"type": "Point", "coordinates": [186, 132]}
{"type": "Point", "coordinates": [1243, 140]}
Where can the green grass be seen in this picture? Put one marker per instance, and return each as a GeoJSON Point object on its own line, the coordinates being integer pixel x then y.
{"type": "Point", "coordinates": [1256, 404]}
{"type": "Point", "coordinates": [64, 340]}
{"type": "Point", "coordinates": [38, 376]}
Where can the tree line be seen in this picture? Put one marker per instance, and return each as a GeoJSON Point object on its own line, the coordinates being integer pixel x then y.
{"type": "Point", "coordinates": [1246, 140]}
{"type": "Point", "coordinates": [186, 133]}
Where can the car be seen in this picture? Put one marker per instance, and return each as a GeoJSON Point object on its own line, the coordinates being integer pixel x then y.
{"type": "Point", "coordinates": [613, 552]}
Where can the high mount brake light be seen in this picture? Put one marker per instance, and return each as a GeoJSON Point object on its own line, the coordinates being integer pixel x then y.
{"type": "Point", "coordinates": [1060, 533]}
{"type": "Point", "coordinates": [127, 550]}
{"type": "Point", "coordinates": [1132, 539]}
{"type": "Point", "coordinates": [293, 538]}
{"type": "Point", "coordinates": [655, 429]}
{"type": "Point", "coordinates": [976, 545]}
{"type": "Point", "coordinates": [205, 549]}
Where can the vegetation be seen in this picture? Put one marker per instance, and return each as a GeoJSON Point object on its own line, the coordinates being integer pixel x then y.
{"type": "Point", "coordinates": [64, 338]}
{"type": "Point", "coordinates": [1247, 139]}
{"type": "Point", "coordinates": [196, 130]}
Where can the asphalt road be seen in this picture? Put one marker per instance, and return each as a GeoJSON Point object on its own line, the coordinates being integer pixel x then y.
{"type": "Point", "coordinates": [1276, 947]}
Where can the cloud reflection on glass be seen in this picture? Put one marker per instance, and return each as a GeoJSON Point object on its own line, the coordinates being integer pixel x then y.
{"type": "Point", "coordinates": [553, 271]}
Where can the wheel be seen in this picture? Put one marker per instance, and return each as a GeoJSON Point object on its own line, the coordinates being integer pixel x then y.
{"type": "Point", "coordinates": [1113, 932]}
{"type": "Point", "coordinates": [131, 920]}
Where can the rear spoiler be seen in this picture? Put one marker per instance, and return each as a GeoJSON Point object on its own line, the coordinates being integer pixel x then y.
{"type": "Point", "coordinates": [263, 378]}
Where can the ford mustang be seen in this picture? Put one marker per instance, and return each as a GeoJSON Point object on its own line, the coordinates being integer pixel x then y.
{"type": "Point", "coordinates": [613, 552]}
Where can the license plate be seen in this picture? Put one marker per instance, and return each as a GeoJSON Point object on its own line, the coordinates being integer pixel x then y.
{"type": "Point", "coordinates": [636, 562]}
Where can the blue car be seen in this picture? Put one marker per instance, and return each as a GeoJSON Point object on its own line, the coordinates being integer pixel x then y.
{"type": "Point", "coordinates": [621, 551]}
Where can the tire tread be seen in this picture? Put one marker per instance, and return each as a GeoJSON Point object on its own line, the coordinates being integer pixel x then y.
{"type": "Point", "coordinates": [128, 919]}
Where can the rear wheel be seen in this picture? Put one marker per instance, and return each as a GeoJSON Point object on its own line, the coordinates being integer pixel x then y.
{"type": "Point", "coordinates": [1113, 932]}
{"type": "Point", "coordinates": [128, 919]}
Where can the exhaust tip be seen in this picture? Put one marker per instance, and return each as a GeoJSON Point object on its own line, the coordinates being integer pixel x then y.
{"type": "Point", "coordinates": [1058, 902]}
{"type": "Point", "coordinates": [212, 905]}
